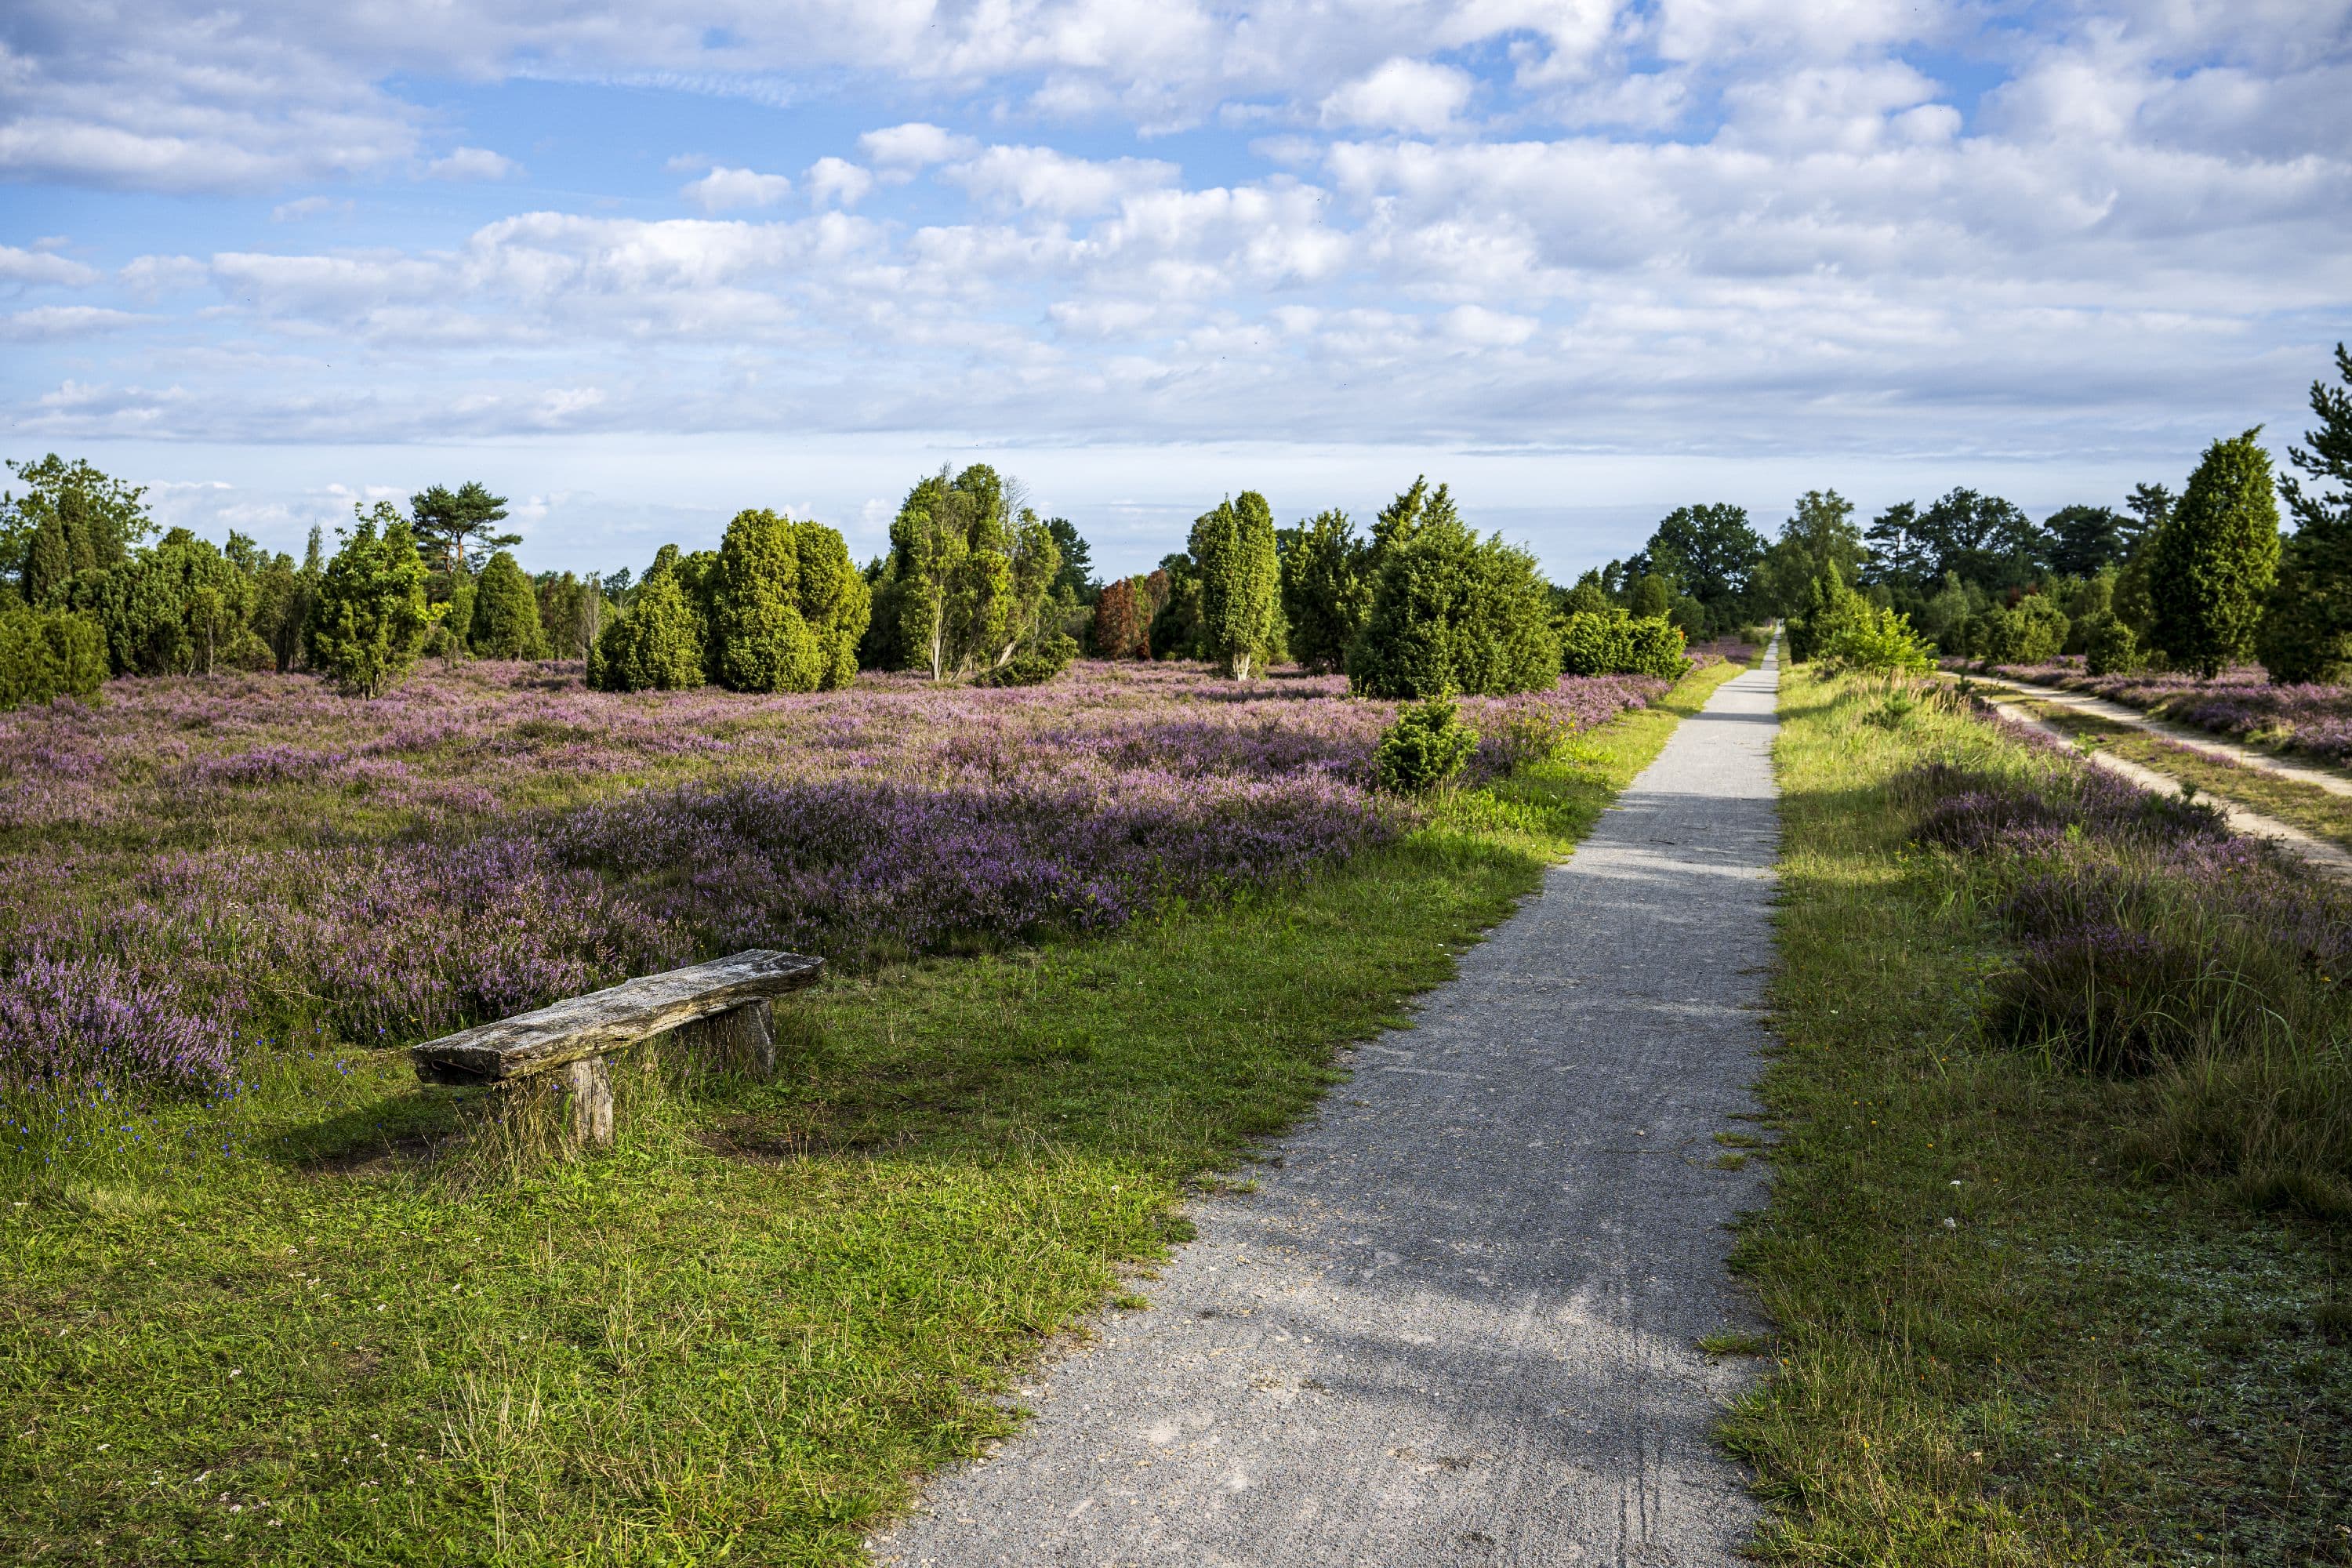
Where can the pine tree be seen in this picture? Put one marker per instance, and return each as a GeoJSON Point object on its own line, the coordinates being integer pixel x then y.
{"type": "Point", "coordinates": [2214, 561]}
{"type": "Point", "coordinates": [371, 617]}
{"type": "Point", "coordinates": [1240, 582]}
{"type": "Point", "coordinates": [504, 622]}
{"type": "Point", "coordinates": [458, 527]}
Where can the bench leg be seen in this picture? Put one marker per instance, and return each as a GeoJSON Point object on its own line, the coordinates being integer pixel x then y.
{"type": "Point", "coordinates": [742, 1039]}
{"type": "Point", "coordinates": [589, 1088]}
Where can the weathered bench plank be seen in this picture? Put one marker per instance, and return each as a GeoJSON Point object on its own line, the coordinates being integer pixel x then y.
{"type": "Point", "coordinates": [614, 1019]}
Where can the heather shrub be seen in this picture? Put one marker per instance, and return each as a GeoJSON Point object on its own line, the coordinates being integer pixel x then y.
{"type": "Point", "coordinates": [2154, 943]}
{"type": "Point", "coordinates": [87, 1022]}
{"type": "Point", "coordinates": [46, 654]}
{"type": "Point", "coordinates": [1426, 747]}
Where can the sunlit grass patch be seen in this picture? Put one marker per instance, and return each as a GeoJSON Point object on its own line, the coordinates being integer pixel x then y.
{"type": "Point", "coordinates": [2016, 1323]}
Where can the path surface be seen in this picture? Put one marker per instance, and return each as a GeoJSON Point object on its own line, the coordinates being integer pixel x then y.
{"type": "Point", "coordinates": [1456, 1324]}
{"type": "Point", "coordinates": [2320, 776]}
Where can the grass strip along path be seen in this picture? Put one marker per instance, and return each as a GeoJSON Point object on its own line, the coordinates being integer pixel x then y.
{"type": "Point", "coordinates": [748, 1331]}
{"type": "Point", "coordinates": [2014, 1327]}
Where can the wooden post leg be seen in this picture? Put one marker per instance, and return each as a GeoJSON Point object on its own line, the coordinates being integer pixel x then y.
{"type": "Point", "coordinates": [742, 1039]}
{"type": "Point", "coordinates": [590, 1084]}
{"type": "Point", "coordinates": [755, 1039]}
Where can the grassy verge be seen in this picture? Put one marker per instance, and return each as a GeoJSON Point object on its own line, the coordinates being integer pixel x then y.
{"type": "Point", "coordinates": [268, 1329]}
{"type": "Point", "coordinates": [2003, 1338]}
{"type": "Point", "coordinates": [2318, 812]}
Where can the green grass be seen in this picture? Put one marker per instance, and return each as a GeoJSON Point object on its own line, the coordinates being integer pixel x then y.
{"type": "Point", "coordinates": [2321, 813]}
{"type": "Point", "coordinates": [295, 1329]}
{"type": "Point", "coordinates": [1999, 1339]}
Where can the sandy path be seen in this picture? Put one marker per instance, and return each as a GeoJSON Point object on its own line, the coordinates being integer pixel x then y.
{"type": "Point", "coordinates": [1456, 1324]}
{"type": "Point", "coordinates": [2318, 776]}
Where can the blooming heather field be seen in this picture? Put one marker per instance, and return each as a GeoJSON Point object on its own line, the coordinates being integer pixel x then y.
{"type": "Point", "coordinates": [198, 867]}
{"type": "Point", "coordinates": [2239, 702]}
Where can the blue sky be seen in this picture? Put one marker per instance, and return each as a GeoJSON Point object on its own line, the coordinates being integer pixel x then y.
{"type": "Point", "coordinates": [640, 266]}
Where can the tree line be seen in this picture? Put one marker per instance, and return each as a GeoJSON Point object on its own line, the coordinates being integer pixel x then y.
{"type": "Point", "coordinates": [2195, 580]}
{"type": "Point", "coordinates": [976, 587]}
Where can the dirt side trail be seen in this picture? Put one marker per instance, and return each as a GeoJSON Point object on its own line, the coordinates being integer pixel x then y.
{"type": "Point", "coordinates": [1456, 1324]}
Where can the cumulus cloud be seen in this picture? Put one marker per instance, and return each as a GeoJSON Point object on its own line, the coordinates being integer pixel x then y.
{"type": "Point", "coordinates": [913, 145]}
{"type": "Point", "coordinates": [50, 322]}
{"type": "Point", "coordinates": [838, 181]}
{"type": "Point", "coordinates": [308, 206]}
{"type": "Point", "coordinates": [21, 267]}
{"type": "Point", "coordinates": [1402, 95]}
{"type": "Point", "coordinates": [1697, 224]}
{"type": "Point", "coordinates": [724, 189]}
{"type": "Point", "coordinates": [1042, 180]}
{"type": "Point", "coordinates": [472, 164]}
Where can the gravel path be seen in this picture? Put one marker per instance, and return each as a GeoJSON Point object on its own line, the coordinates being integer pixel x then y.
{"type": "Point", "coordinates": [1456, 1324]}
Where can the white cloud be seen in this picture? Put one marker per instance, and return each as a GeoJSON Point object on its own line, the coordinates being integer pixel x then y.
{"type": "Point", "coordinates": [1402, 95]}
{"type": "Point", "coordinates": [723, 190]}
{"type": "Point", "coordinates": [472, 164]}
{"type": "Point", "coordinates": [148, 276]}
{"type": "Point", "coordinates": [51, 321]}
{"type": "Point", "coordinates": [914, 144]}
{"type": "Point", "coordinates": [1701, 223]}
{"type": "Point", "coordinates": [308, 206]}
{"type": "Point", "coordinates": [34, 267]}
{"type": "Point", "coordinates": [1042, 180]}
{"type": "Point", "coordinates": [838, 181]}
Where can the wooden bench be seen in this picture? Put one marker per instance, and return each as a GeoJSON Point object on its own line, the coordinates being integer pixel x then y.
{"type": "Point", "coordinates": [720, 1012]}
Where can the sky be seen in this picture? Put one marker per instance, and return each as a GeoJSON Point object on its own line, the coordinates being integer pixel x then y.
{"type": "Point", "coordinates": [638, 266]}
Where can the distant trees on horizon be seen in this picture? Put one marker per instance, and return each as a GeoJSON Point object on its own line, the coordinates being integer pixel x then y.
{"type": "Point", "coordinates": [976, 586]}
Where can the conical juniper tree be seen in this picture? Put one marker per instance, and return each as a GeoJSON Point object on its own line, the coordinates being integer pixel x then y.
{"type": "Point", "coordinates": [1327, 590]}
{"type": "Point", "coordinates": [2307, 631]}
{"type": "Point", "coordinates": [2212, 563]}
{"type": "Point", "coordinates": [504, 622]}
{"type": "Point", "coordinates": [370, 619]}
{"type": "Point", "coordinates": [1240, 582]}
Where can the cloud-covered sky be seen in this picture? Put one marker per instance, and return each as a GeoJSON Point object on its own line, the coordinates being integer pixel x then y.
{"type": "Point", "coordinates": [642, 264]}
